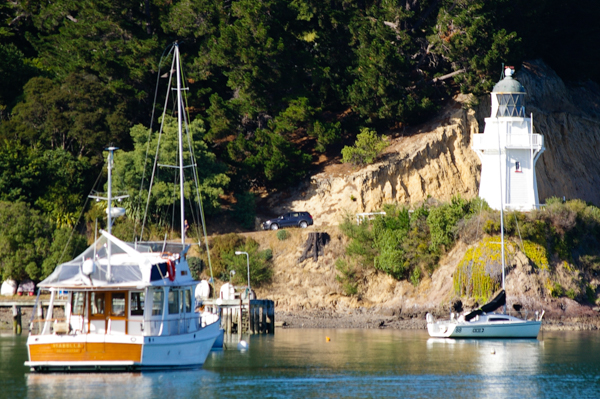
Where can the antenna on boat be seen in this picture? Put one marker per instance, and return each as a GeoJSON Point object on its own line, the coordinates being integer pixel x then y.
{"type": "Point", "coordinates": [109, 210]}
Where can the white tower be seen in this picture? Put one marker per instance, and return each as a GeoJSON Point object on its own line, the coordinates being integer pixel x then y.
{"type": "Point", "coordinates": [508, 150]}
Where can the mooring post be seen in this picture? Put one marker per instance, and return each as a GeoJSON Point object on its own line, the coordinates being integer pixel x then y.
{"type": "Point", "coordinates": [250, 318]}
{"type": "Point", "coordinates": [263, 322]}
{"type": "Point", "coordinates": [228, 320]}
{"type": "Point", "coordinates": [256, 319]}
{"type": "Point", "coordinates": [16, 311]}
{"type": "Point", "coordinates": [271, 316]}
{"type": "Point", "coordinates": [239, 329]}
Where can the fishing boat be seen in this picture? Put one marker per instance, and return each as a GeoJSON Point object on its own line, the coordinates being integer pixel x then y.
{"type": "Point", "coordinates": [128, 306]}
{"type": "Point", "coordinates": [507, 144]}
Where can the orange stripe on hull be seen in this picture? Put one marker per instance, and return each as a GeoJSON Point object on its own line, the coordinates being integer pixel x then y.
{"type": "Point", "coordinates": [81, 352]}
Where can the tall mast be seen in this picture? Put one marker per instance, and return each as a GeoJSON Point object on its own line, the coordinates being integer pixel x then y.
{"type": "Point", "coordinates": [180, 137]}
{"type": "Point", "coordinates": [501, 208]}
{"type": "Point", "coordinates": [111, 151]}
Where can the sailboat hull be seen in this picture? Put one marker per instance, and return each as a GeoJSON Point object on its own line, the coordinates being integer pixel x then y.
{"type": "Point", "coordinates": [512, 329]}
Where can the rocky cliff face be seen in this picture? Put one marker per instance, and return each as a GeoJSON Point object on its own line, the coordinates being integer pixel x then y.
{"type": "Point", "coordinates": [438, 162]}
{"type": "Point", "coordinates": [568, 115]}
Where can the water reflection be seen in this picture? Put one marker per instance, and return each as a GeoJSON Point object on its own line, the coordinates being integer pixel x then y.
{"type": "Point", "coordinates": [354, 363]}
{"type": "Point", "coordinates": [495, 360]}
{"type": "Point", "coordinates": [107, 385]}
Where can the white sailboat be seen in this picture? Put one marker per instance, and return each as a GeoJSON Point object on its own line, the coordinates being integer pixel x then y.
{"type": "Point", "coordinates": [507, 107]}
{"type": "Point", "coordinates": [130, 306]}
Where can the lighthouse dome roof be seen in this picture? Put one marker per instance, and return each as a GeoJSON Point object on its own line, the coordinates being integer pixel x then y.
{"type": "Point", "coordinates": [508, 85]}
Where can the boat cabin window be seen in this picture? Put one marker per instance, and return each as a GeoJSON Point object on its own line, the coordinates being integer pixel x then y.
{"type": "Point", "coordinates": [77, 303]}
{"type": "Point", "coordinates": [187, 301]}
{"type": "Point", "coordinates": [98, 300]}
{"type": "Point", "coordinates": [136, 303]}
{"type": "Point", "coordinates": [173, 301]}
{"type": "Point", "coordinates": [117, 306]}
{"type": "Point", "coordinates": [158, 300]}
{"type": "Point", "coordinates": [497, 319]}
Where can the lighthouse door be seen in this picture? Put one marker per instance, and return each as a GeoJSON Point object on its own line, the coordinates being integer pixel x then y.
{"type": "Point", "coordinates": [517, 180]}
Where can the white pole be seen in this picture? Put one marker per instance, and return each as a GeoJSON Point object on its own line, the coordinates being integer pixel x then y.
{"type": "Point", "coordinates": [501, 206]}
{"type": "Point", "coordinates": [109, 210]}
{"type": "Point", "coordinates": [179, 131]}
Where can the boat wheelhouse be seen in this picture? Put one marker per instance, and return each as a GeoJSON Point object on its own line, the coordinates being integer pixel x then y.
{"type": "Point", "coordinates": [137, 312]}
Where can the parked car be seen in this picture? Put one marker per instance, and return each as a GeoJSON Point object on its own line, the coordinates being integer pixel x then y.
{"type": "Point", "coordinates": [292, 219]}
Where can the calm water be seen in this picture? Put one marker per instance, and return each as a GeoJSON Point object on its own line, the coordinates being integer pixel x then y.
{"type": "Point", "coordinates": [355, 363]}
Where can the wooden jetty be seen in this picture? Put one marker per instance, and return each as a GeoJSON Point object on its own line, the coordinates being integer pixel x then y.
{"type": "Point", "coordinates": [254, 316]}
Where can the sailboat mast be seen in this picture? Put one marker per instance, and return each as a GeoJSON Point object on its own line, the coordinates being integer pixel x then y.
{"type": "Point", "coordinates": [501, 206]}
{"type": "Point", "coordinates": [111, 151]}
{"type": "Point", "coordinates": [180, 136]}
{"type": "Point", "coordinates": [501, 203]}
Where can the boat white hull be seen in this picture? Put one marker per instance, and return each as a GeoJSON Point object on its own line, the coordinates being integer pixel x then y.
{"type": "Point", "coordinates": [85, 352]}
{"type": "Point", "coordinates": [451, 329]}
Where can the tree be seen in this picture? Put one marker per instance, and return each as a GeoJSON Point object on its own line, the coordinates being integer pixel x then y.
{"type": "Point", "coordinates": [468, 38]}
{"type": "Point", "coordinates": [366, 149]}
{"type": "Point", "coordinates": [25, 240]}
{"type": "Point", "coordinates": [14, 73]}
{"type": "Point", "coordinates": [51, 181]}
{"type": "Point", "coordinates": [79, 116]}
{"type": "Point", "coordinates": [269, 159]}
{"type": "Point", "coordinates": [132, 166]}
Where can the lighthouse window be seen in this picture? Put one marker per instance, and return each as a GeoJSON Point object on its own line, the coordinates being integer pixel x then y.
{"type": "Point", "coordinates": [510, 105]}
{"type": "Point", "coordinates": [517, 166]}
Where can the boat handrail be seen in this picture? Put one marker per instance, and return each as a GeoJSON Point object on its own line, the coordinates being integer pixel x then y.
{"type": "Point", "coordinates": [173, 326]}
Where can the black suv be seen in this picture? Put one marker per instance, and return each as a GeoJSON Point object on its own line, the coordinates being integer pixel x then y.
{"type": "Point", "coordinates": [292, 219]}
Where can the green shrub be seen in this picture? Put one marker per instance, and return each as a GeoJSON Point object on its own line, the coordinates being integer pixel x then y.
{"type": "Point", "coordinates": [571, 293]}
{"type": "Point", "coordinates": [415, 276]}
{"type": "Point", "coordinates": [557, 290]}
{"type": "Point", "coordinates": [266, 255]}
{"type": "Point", "coordinates": [221, 245]}
{"type": "Point", "coordinates": [347, 277]}
{"type": "Point", "coordinates": [479, 274]}
{"type": "Point", "coordinates": [196, 266]}
{"type": "Point", "coordinates": [282, 235]}
{"type": "Point", "coordinates": [367, 147]}
{"type": "Point", "coordinates": [537, 254]}
{"type": "Point", "coordinates": [443, 221]}
{"type": "Point", "coordinates": [260, 262]}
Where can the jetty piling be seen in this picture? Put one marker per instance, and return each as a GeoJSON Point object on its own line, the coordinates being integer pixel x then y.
{"type": "Point", "coordinates": [254, 316]}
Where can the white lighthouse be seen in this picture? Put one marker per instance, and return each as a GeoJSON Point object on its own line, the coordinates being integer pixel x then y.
{"type": "Point", "coordinates": [508, 150]}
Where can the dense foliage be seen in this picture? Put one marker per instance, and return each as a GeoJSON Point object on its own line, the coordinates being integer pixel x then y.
{"type": "Point", "coordinates": [272, 83]}
{"type": "Point", "coordinates": [561, 241]}
{"type": "Point", "coordinates": [404, 243]}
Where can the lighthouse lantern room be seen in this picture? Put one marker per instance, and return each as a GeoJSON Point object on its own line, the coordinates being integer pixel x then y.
{"type": "Point", "coordinates": [508, 150]}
